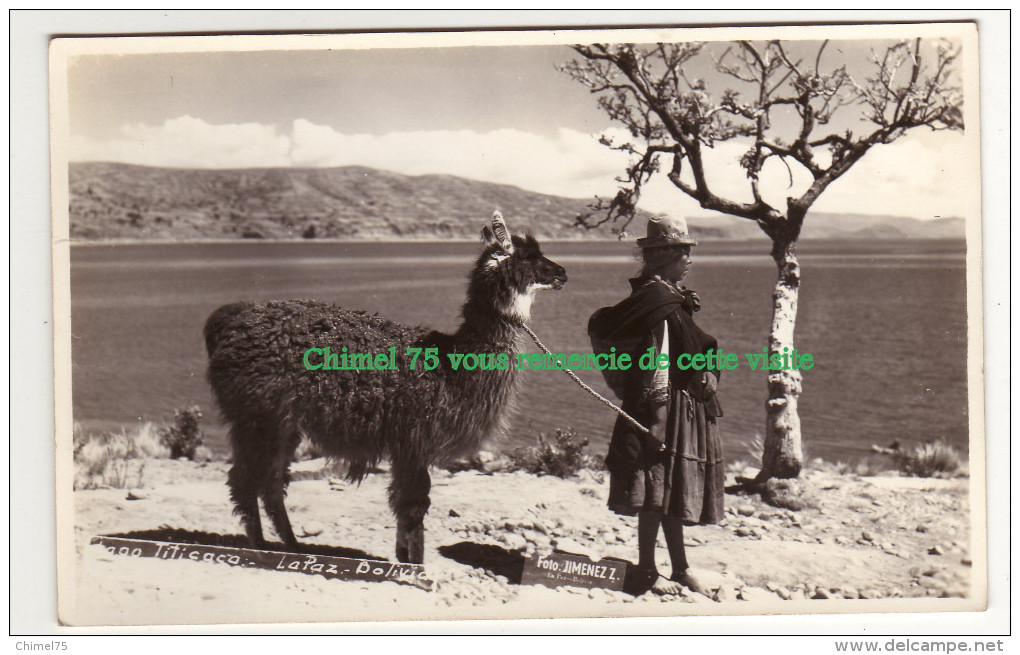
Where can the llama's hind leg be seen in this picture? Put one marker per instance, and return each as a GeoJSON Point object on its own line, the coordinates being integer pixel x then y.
{"type": "Point", "coordinates": [246, 478]}
{"type": "Point", "coordinates": [409, 499]}
{"type": "Point", "coordinates": [274, 491]}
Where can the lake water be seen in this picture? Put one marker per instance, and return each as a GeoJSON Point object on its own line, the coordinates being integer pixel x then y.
{"type": "Point", "coordinates": [885, 322]}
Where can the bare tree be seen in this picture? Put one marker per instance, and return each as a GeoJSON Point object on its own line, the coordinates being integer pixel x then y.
{"type": "Point", "coordinates": [673, 118]}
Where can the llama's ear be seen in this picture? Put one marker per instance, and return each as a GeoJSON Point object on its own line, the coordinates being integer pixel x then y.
{"type": "Point", "coordinates": [500, 231]}
{"type": "Point", "coordinates": [488, 238]}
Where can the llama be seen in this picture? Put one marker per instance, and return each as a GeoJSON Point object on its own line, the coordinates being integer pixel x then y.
{"type": "Point", "coordinates": [416, 418]}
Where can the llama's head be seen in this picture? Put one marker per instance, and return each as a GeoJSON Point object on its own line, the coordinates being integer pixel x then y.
{"type": "Point", "coordinates": [510, 270]}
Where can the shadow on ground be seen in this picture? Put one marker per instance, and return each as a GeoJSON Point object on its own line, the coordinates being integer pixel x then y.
{"type": "Point", "coordinates": [496, 560]}
{"type": "Point", "coordinates": [240, 541]}
{"type": "Point", "coordinates": [510, 564]}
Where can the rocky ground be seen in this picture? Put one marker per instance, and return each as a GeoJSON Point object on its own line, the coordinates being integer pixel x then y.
{"type": "Point", "coordinates": [835, 540]}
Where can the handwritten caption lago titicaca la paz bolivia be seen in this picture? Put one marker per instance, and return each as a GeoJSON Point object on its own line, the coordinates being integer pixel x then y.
{"type": "Point", "coordinates": [428, 359]}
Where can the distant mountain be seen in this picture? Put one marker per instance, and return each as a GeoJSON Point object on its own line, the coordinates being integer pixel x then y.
{"type": "Point", "coordinates": [122, 201]}
{"type": "Point", "coordinates": [823, 225]}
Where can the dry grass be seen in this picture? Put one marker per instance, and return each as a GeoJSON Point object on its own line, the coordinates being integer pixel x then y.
{"type": "Point", "coordinates": [116, 460]}
{"type": "Point", "coordinates": [755, 449]}
{"type": "Point", "coordinates": [148, 443]}
{"type": "Point", "coordinates": [108, 459]}
{"type": "Point", "coordinates": [929, 459]}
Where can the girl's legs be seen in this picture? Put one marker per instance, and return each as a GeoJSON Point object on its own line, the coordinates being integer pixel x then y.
{"type": "Point", "coordinates": [648, 531]}
{"type": "Point", "coordinates": [673, 529]}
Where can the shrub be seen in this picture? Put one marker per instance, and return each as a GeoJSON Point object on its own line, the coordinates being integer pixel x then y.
{"type": "Point", "coordinates": [563, 456]}
{"type": "Point", "coordinates": [928, 459]}
{"type": "Point", "coordinates": [183, 437]}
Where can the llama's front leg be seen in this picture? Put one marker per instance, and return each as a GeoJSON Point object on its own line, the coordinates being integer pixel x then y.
{"type": "Point", "coordinates": [409, 498]}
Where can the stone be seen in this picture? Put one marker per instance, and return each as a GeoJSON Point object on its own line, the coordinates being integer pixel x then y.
{"type": "Point", "coordinates": [311, 529]}
{"type": "Point", "coordinates": [755, 594]}
{"type": "Point", "coordinates": [966, 561]}
{"type": "Point", "coordinates": [921, 528]}
{"type": "Point", "coordinates": [515, 541]}
{"type": "Point", "coordinates": [453, 513]}
{"type": "Point", "coordinates": [821, 594]}
{"type": "Point", "coordinates": [571, 546]}
{"type": "Point", "coordinates": [869, 594]}
{"type": "Point", "coordinates": [936, 550]}
{"type": "Point", "coordinates": [867, 536]}
{"type": "Point", "coordinates": [745, 510]}
{"type": "Point", "coordinates": [784, 593]}
{"type": "Point", "coordinates": [742, 532]}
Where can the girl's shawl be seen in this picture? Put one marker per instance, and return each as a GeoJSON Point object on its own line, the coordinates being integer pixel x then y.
{"type": "Point", "coordinates": [628, 326]}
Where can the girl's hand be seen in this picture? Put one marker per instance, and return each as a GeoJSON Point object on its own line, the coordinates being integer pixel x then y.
{"type": "Point", "coordinates": [693, 299]}
{"type": "Point", "coordinates": [709, 385]}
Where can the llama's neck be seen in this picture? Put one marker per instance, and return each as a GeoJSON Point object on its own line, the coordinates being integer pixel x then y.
{"type": "Point", "coordinates": [496, 327]}
{"type": "Point", "coordinates": [499, 333]}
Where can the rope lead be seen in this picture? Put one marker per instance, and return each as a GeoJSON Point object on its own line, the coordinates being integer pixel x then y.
{"type": "Point", "coordinates": [596, 394]}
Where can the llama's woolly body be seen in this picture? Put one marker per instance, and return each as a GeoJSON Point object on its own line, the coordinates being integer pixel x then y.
{"type": "Point", "coordinates": [256, 353]}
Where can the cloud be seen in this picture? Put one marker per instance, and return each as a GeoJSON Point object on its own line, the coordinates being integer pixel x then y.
{"type": "Point", "coordinates": [919, 175]}
{"type": "Point", "coordinates": [924, 174]}
{"type": "Point", "coordinates": [568, 164]}
{"type": "Point", "coordinates": [188, 142]}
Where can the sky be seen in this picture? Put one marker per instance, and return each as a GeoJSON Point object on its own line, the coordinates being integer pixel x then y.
{"type": "Point", "coordinates": [501, 114]}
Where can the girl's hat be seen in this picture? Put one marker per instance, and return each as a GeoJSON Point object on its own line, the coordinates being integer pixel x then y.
{"type": "Point", "coordinates": [666, 231]}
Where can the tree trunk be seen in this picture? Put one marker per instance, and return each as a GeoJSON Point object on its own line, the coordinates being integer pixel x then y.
{"type": "Point", "coordinates": [782, 456]}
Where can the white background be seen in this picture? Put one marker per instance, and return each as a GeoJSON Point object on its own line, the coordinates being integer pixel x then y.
{"type": "Point", "coordinates": [32, 582]}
